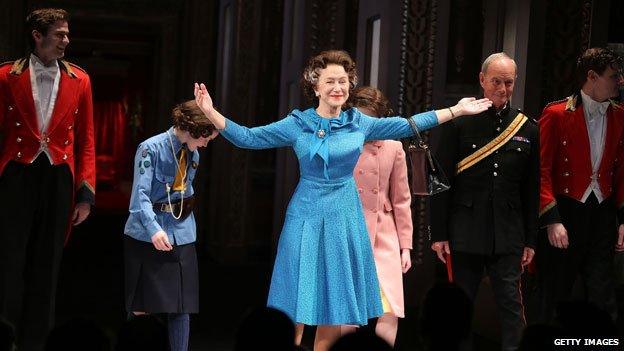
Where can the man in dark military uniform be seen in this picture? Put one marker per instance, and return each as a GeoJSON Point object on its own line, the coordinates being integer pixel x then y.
{"type": "Point", "coordinates": [487, 221]}
{"type": "Point", "coordinates": [47, 172]}
{"type": "Point", "coordinates": [582, 187]}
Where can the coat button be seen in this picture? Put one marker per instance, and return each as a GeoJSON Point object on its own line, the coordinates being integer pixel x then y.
{"type": "Point", "coordinates": [19, 154]}
{"type": "Point", "coordinates": [500, 121]}
{"type": "Point", "coordinates": [496, 165]}
{"type": "Point", "coordinates": [10, 108]}
{"type": "Point", "coordinates": [17, 124]}
{"type": "Point", "coordinates": [565, 159]}
{"type": "Point", "coordinates": [564, 143]}
{"type": "Point", "coordinates": [70, 127]}
{"type": "Point", "coordinates": [66, 142]}
{"type": "Point", "coordinates": [498, 129]}
{"type": "Point", "coordinates": [76, 112]}
{"type": "Point", "coordinates": [64, 156]}
{"type": "Point", "coordinates": [47, 139]}
{"type": "Point", "coordinates": [375, 191]}
{"type": "Point", "coordinates": [566, 174]}
{"type": "Point", "coordinates": [19, 140]}
{"type": "Point", "coordinates": [495, 174]}
{"type": "Point", "coordinates": [566, 190]}
{"type": "Point", "coordinates": [474, 146]}
{"type": "Point", "coordinates": [519, 149]}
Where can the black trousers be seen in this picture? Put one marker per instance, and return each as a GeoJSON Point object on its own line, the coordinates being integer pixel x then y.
{"type": "Point", "coordinates": [592, 234]}
{"type": "Point", "coordinates": [504, 272]}
{"type": "Point", "coordinates": [34, 217]}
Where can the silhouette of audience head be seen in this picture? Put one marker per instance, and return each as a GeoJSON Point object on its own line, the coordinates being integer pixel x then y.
{"type": "Point", "coordinates": [364, 339]}
{"type": "Point", "coordinates": [7, 335]}
{"type": "Point", "coordinates": [584, 319]}
{"type": "Point", "coordinates": [144, 332]}
{"type": "Point", "coordinates": [446, 316]}
{"type": "Point", "coordinates": [266, 328]}
{"type": "Point", "coordinates": [76, 335]}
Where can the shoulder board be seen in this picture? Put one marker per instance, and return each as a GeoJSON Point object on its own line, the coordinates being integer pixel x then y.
{"type": "Point", "coordinates": [616, 105]}
{"type": "Point", "coordinates": [18, 66]}
{"type": "Point", "coordinates": [556, 102]}
{"type": "Point", "coordinates": [78, 67]}
{"type": "Point", "coordinates": [529, 119]}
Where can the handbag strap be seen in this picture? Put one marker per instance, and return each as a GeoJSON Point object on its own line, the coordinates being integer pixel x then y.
{"type": "Point", "coordinates": [416, 137]}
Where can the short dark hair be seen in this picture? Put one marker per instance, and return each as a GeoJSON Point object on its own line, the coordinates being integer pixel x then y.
{"type": "Point", "coordinates": [316, 63]}
{"type": "Point", "coordinates": [370, 98]}
{"type": "Point", "coordinates": [597, 60]}
{"type": "Point", "coordinates": [41, 20]}
{"type": "Point", "coordinates": [187, 116]}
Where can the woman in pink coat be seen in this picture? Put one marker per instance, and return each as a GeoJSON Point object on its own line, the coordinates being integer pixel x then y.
{"type": "Point", "coordinates": [381, 177]}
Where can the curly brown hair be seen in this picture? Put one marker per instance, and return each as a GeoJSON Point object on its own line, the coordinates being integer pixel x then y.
{"type": "Point", "coordinates": [370, 98]}
{"type": "Point", "coordinates": [597, 60]}
{"type": "Point", "coordinates": [311, 73]}
{"type": "Point", "coordinates": [188, 117]}
{"type": "Point", "coordinates": [41, 20]}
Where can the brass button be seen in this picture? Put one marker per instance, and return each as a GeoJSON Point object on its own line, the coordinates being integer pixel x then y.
{"type": "Point", "coordinates": [565, 159]}
{"type": "Point", "coordinates": [566, 190]}
{"type": "Point", "coordinates": [474, 146]}
{"type": "Point", "coordinates": [19, 140]}
{"type": "Point", "coordinates": [66, 142]}
{"type": "Point", "coordinates": [498, 129]}
{"type": "Point", "coordinates": [70, 127]}
{"type": "Point", "coordinates": [18, 124]}
{"type": "Point", "coordinates": [495, 174]}
{"type": "Point", "coordinates": [76, 112]}
{"type": "Point", "coordinates": [496, 165]}
{"type": "Point", "coordinates": [64, 156]}
{"type": "Point", "coordinates": [565, 143]}
{"type": "Point", "coordinates": [566, 174]}
{"type": "Point", "coordinates": [10, 108]}
{"type": "Point", "coordinates": [519, 149]}
{"type": "Point", "coordinates": [19, 154]}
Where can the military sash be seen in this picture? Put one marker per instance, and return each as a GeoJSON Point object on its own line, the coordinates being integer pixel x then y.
{"type": "Point", "coordinates": [493, 145]}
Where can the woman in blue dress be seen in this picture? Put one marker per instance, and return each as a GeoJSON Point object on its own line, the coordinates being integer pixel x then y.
{"type": "Point", "coordinates": [324, 272]}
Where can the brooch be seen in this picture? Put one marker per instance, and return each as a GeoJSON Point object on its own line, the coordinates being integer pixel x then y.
{"type": "Point", "coordinates": [321, 133]}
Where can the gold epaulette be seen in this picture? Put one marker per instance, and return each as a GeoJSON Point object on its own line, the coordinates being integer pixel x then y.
{"type": "Point", "coordinates": [68, 68]}
{"type": "Point", "coordinates": [556, 102]}
{"type": "Point", "coordinates": [616, 105]}
{"type": "Point", "coordinates": [18, 66]}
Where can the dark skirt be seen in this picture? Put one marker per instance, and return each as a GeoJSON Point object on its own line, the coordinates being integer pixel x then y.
{"type": "Point", "coordinates": [160, 281]}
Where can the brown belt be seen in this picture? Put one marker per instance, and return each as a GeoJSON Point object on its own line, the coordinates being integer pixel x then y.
{"type": "Point", "coordinates": [174, 207]}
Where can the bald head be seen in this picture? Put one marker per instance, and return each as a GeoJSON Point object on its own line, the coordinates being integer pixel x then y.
{"type": "Point", "coordinates": [497, 78]}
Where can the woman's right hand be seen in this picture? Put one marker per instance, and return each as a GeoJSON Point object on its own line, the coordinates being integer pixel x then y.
{"type": "Point", "coordinates": [204, 102]}
{"type": "Point", "coordinates": [161, 241]}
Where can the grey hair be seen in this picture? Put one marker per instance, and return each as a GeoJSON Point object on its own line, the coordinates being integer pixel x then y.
{"type": "Point", "coordinates": [495, 57]}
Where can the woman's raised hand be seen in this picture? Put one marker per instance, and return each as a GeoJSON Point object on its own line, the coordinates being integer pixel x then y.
{"type": "Point", "coordinates": [471, 106]}
{"type": "Point", "coordinates": [203, 99]}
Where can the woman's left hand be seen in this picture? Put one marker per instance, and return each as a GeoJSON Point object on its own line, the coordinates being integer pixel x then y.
{"type": "Point", "coordinates": [406, 260]}
{"type": "Point", "coordinates": [471, 106]}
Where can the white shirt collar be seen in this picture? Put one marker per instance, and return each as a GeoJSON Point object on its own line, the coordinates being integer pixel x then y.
{"type": "Point", "coordinates": [593, 107]}
{"type": "Point", "coordinates": [39, 67]}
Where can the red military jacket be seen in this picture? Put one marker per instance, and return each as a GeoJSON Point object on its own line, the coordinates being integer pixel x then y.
{"type": "Point", "coordinates": [565, 161]}
{"type": "Point", "coordinates": [69, 134]}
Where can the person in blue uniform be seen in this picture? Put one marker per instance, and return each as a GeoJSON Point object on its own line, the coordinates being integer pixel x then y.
{"type": "Point", "coordinates": [324, 272]}
{"type": "Point", "coordinates": [159, 251]}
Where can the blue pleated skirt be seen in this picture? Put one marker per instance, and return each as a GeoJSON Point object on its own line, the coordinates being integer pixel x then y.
{"type": "Point", "coordinates": [324, 272]}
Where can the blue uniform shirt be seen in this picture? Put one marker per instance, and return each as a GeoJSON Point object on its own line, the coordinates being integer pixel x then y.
{"type": "Point", "coordinates": [154, 167]}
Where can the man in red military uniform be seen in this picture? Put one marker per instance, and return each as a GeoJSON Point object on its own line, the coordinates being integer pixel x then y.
{"type": "Point", "coordinates": [582, 187]}
{"type": "Point", "coordinates": [47, 172]}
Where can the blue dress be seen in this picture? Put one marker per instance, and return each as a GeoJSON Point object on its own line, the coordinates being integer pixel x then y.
{"type": "Point", "coordinates": [324, 272]}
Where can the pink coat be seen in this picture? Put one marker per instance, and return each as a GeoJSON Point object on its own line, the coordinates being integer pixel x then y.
{"type": "Point", "coordinates": [381, 177]}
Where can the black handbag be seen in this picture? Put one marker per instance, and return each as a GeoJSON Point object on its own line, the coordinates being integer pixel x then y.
{"type": "Point", "coordinates": [428, 178]}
